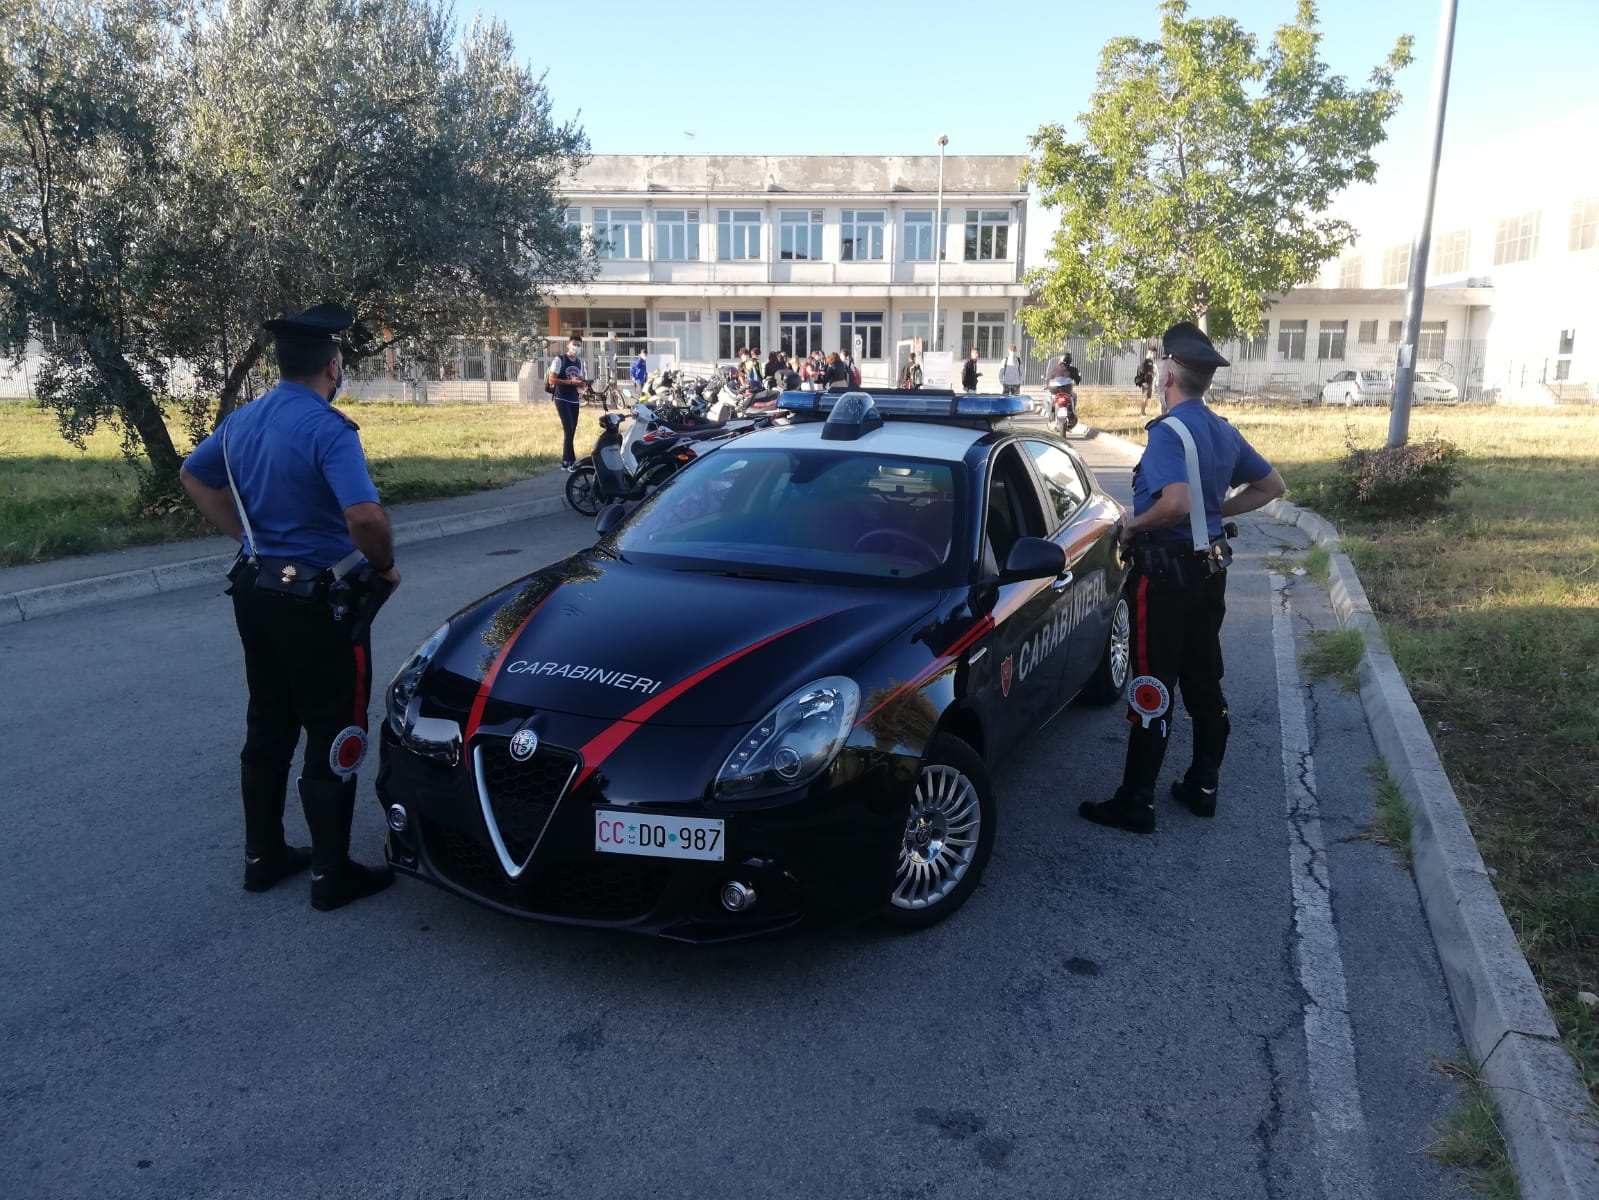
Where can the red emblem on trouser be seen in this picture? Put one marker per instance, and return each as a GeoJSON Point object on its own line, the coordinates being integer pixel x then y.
{"type": "Point", "coordinates": [1005, 675]}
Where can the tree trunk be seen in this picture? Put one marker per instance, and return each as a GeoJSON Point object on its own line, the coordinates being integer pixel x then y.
{"type": "Point", "coordinates": [140, 412]}
{"type": "Point", "coordinates": [1202, 307]}
{"type": "Point", "coordinates": [234, 383]}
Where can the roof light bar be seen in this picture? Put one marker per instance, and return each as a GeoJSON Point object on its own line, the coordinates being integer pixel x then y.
{"type": "Point", "coordinates": [896, 403]}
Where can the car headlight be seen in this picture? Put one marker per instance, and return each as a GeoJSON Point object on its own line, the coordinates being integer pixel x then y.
{"type": "Point", "coordinates": [793, 743]}
{"type": "Point", "coordinates": [403, 687]}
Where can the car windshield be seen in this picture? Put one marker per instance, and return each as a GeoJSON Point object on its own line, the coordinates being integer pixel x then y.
{"type": "Point", "coordinates": [1374, 376]}
{"type": "Point", "coordinates": [804, 514]}
{"type": "Point", "coordinates": [1428, 377]}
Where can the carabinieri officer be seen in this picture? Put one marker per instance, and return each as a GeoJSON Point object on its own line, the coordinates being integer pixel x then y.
{"type": "Point", "coordinates": [286, 476]}
{"type": "Point", "coordinates": [1177, 591]}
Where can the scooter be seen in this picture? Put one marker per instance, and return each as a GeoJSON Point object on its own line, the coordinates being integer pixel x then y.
{"type": "Point", "coordinates": [1062, 413]}
{"type": "Point", "coordinates": [625, 467]}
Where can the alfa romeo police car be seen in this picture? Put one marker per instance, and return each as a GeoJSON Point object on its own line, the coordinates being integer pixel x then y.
{"type": "Point", "coordinates": [771, 692]}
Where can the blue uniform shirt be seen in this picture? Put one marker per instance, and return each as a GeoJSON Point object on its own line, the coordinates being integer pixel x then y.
{"type": "Point", "coordinates": [299, 464]}
{"type": "Point", "coordinates": [1225, 461]}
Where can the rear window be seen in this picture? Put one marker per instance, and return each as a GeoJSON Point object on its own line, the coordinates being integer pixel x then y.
{"type": "Point", "coordinates": [1374, 376]}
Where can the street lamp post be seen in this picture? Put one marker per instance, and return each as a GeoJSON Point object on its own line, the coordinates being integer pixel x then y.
{"type": "Point", "coordinates": [938, 238]}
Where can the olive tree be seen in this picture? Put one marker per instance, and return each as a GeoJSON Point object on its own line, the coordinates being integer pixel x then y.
{"type": "Point", "coordinates": [1201, 182]}
{"type": "Point", "coordinates": [172, 175]}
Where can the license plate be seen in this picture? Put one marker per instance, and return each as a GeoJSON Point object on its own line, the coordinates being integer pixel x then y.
{"type": "Point", "coordinates": [656, 836]}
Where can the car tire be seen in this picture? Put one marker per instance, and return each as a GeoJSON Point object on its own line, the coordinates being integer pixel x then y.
{"type": "Point", "coordinates": [937, 873]}
{"type": "Point", "coordinates": [1109, 680]}
{"type": "Point", "coordinates": [581, 493]}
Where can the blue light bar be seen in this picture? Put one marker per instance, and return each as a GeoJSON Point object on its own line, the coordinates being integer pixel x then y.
{"type": "Point", "coordinates": [896, 403]}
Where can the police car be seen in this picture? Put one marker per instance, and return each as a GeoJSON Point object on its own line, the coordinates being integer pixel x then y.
{"type": "Point", "coordinates": [773, 691]}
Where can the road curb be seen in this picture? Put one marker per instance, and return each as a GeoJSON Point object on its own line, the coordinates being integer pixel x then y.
{"type": "Point", "coordinates": [34, 603]}
{"type": "Point", "coordinates": [1504, 1021]}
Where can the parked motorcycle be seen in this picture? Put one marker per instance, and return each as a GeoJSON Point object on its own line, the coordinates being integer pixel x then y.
{"type": "Point", "coordinates": [1062, 413]}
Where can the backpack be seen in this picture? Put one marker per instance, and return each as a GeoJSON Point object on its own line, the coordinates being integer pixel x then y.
{"type": "Point", "coordinates": [549, 389]}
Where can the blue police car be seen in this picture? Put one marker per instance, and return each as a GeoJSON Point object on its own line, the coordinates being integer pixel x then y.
{"type": "Point", "coordinates": [771, 693]}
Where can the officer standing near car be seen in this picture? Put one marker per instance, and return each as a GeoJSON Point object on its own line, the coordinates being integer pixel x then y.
{"type": "Point", "coordinates": [286, 477]}
{"type": "Point", "coordinates": [1177, 591]}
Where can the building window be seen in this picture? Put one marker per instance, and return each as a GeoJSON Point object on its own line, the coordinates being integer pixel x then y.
{"type": "Point", "coordinates": [798, 333]}
{"type": "Point", "coordinates": [738, 234]}
{"type": "Point", "coordinates": [1330, 339]}
{"type": "Point", "coordinates": [737, 331]}
{"type": "Point", "coordinates": [1395, 330]}
{"type": "Point", "coordinates": [1396, 266]}
{"type": "Point", "coordinates": [1516, 239]}
{"type": "Point", "coordinates": [1568, 340]}
{"type": "Point", "coordinates": [1255, 348]}
{"type": "Point", "coordinates": [619, 232]}
{"type": "Point", "coordinates": [861, 231]}
{"type": "Point", "coordinates": [1351, 272]}
{"type": "Point", "coordinates": [986, 331]}
{"type": "Point", "coordinates": [685, 326]}
{"type": "Point", "coordinates": [868, 326]}
{"type": "Point", "coordinates": [1291, 339]}
{"type": "Point", "coordinates": [1585, 224]}
{"type": "Point", "coordinates": [1430, 340]}
{"type": "Point", "coordinates": [1562, 369]}
{"type": "Point", "coordinates": [1368, 333]}
{"type": "Point", "coordinates": [919, 324]}
{"type": "Point", "coordinates": [1453, 252]}
{"type": "Point", "coordinates": [677, 234]}
{"type": "Point", "coordinates": [919, 236]}
{"type": "Point", "coordinates": [799, 235]}
{"type": "Point", "coordinates": [987, 234]}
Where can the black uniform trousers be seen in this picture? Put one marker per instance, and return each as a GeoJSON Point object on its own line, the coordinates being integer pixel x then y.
{"type": "Point", "coordinates": [304, 672]}
{"type": "Point", "coordinates": [1176, 642]}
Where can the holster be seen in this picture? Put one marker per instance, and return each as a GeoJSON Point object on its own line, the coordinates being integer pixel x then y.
{"type": "Point", "coordinates": [356, 599]}
{"type": "Point", "coordinates": [1173, 567]}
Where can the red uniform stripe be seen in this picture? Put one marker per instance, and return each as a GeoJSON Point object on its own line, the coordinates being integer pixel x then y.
{"type": "Point", "coordinates": [1141, 607]}
{"type": "Point", "coordinates": [475, 717]}
{"type": "Point", "coordinates": [604, 744]}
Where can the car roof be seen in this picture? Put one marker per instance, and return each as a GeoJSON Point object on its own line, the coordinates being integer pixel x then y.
{"type": "Point", "coordinates": [904, 438]}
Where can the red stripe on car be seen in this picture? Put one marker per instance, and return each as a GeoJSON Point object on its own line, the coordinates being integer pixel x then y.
{"type": "Point", "coordinates": [956, 647]}
{"type": "Point", "coordinates": [475, 717]}
{"type": "Point", "coordinates": [604, 744]}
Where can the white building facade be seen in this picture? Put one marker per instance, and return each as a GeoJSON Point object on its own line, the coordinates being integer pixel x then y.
{"type": "Point", "coordinates": [796, 253]}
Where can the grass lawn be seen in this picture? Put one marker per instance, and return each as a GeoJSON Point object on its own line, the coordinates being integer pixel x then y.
{"type": "Point", "coordinates": [57, 500]}
{"type": "Point", "coordinates": [1492, 612]}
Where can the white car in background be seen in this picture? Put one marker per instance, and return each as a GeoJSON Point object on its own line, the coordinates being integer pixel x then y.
{"type": "Point", "coordinates": [1358, 387]}
{"type": "Point", "coordinates": [1432, 388]}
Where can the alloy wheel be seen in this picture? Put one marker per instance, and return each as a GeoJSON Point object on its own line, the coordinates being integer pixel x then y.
{"type": "Point", "coordinates": [941, 836]}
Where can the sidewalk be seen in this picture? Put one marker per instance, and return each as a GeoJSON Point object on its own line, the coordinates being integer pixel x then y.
{"type": "Point", "coordinates": [40, 589]}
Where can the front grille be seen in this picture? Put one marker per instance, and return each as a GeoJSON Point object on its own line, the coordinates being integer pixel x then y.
{"type": "Point", "coordinates": [522, 795]}
{"type": "Point", "coordinates": [613, 888]}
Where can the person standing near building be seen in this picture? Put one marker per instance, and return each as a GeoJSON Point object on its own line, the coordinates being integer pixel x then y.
{"type": "Point", "coordinates": [640, 370]}
{"type": "Point", "coordinates": [562, 380]}
{"type": "Point", "coordinates": [1177, 593]}
{"type": "Point", "coordinates": [1010, 372]}
{"type": "Point", "coordinates": [910, 379]}
{"type": "Point", "coordinates": [1144, 380]}
{"type": "Point", "coordinates": [969, 372]}
{"type": "Point", "coordinates": [286, 477]}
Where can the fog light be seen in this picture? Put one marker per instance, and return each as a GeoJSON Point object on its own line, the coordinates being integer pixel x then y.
{"type": "Point", "coordinates": [398, 819]}
{"type": "Point", "coordinates": [736, 896]}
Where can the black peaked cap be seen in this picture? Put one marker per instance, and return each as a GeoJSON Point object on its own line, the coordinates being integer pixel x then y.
{"type": "Point", "coordinates": [322, 323]}
{"type": "Point", "coordinates": [1187, 343]}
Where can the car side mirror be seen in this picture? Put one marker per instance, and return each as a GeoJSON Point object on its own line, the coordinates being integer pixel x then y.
{"type": "Point", "coordinates": [610, 517]}
{"type": "Point", "coordinates": [1032, 558]}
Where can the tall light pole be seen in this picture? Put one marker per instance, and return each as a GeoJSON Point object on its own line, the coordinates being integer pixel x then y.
{"type": "Point", "coordinates": [938, 238]}
{"type": "Point", "coordinates": [1416, 290]}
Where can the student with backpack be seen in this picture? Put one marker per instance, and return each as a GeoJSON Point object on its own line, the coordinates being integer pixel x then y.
{"type": "Point", "coordinates": [561, 382]}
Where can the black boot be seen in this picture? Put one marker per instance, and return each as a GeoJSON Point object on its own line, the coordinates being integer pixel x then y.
{"type": "Point", "coordinates": [267, 859]}
{"type": "Point", "coordinates": [1129, 810]}
{"type": "Point", "coordinates": [1198, 799]}
{"type": "Point", "coordinates": [335, 880]}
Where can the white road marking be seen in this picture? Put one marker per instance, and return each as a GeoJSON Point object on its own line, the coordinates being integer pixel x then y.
{"type": "Point", "coordinates": [1344, 1152]}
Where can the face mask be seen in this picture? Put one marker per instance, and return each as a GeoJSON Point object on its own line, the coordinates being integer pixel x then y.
{"type": "Point", "coordinates": [573, 351]}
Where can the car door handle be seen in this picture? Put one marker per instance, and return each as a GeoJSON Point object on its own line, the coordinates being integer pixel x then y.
{"type": "Point", "coordinates": [1062, 581]}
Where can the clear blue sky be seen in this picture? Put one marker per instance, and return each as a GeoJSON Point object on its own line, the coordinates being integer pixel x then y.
{"type": "Point", "coordinates": [874, 77]}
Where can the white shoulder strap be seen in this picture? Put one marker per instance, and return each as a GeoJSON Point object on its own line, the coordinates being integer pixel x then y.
{"type": "Point", "coordinates": [1196, 491]}
{"type": "Point", "coordinates": [244, 517]}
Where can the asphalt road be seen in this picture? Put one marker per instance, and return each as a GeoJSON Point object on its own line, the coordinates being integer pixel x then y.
{"type": "Point", "coordinates": [1110, 1016]}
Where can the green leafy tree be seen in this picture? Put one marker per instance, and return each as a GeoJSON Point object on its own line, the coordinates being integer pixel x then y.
{"type": "Point", "coordinates": [1200, 185]}
{"type": "Point", "coordinates": [172, 175]}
